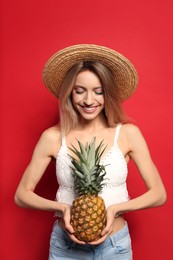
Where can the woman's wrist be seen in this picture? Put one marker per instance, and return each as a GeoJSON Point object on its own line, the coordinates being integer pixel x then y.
{"type": "Point", "coordinates": [113, 209]}
{"type": "Point", "coordinates": [116, 210]}
{"type": "Point", "coordinates": [62, 207]}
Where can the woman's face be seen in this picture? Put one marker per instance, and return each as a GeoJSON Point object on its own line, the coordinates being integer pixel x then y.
{"type": "Point", "coordinates": [88, 95]}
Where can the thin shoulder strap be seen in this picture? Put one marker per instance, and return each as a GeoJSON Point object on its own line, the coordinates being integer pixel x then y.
{"type": "Point", "coordinates": [63, 139]}
{"type": "Point", "coordinates": [117, 133]}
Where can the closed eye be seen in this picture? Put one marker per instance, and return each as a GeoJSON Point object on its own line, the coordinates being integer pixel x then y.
{"type": "Point", "coordinates": [99, 91]}
{"type": "Point", "coordinates": [79, 90]}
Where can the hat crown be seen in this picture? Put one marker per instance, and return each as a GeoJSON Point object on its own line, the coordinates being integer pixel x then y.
{"type": "Point", "coordinates": [60, 63]}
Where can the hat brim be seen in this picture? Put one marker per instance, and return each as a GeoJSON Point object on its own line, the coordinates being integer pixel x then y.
{"type": "Point", "coordinates": [59, 64]}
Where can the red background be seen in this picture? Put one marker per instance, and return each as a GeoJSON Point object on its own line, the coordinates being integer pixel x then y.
{"type": "Point", "coordinates": [31, 31]}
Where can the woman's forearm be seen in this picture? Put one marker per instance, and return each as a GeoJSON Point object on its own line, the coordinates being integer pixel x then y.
{"type": "Point", "coordinates": [29, 199]}
{"type": "Point", "coordinates": [152, 198]}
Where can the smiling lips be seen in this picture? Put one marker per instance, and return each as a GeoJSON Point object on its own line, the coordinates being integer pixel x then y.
{"type": "Point", "coordinates": [89, 109]}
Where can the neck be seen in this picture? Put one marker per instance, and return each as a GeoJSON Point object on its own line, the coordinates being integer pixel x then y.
{"type": "Point", "coordinates": [93, 125]}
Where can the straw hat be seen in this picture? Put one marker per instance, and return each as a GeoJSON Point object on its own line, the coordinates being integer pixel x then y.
{"type": "Point", "coordinates": [59, 64]}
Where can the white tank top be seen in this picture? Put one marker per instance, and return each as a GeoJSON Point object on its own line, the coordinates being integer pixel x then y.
{"type": "Point", "coordinates": [115, 190]}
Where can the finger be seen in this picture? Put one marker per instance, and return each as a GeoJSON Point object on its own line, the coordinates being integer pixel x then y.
{"type": "Point", "coordinates": [99, 241]}
{"type": "Point", "coordinates": [74, 239]}
{"type": "Point", "coordinates": [69, 228]}
{"type": "Point", "coordinates": [68, 225]}
{"type": "Point", "coordinates": [107, 230]}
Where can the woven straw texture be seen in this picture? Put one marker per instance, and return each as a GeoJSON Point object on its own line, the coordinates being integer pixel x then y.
{"type": "Point", "coordinates": [58, 65]}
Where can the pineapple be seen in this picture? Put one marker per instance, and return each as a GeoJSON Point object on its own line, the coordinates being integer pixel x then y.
{"type": "Point", "coordinates": [88, 214]}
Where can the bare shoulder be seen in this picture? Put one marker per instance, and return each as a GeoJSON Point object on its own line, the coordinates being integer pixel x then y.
{"type": "Point", "coordinates": [130, 130]}
{"type": "Point", "coordinates": [50, 141]}
{"type": "Point", "coordinates": [52, 134]}
{"type": "Point", "coordinates": [134, 137]}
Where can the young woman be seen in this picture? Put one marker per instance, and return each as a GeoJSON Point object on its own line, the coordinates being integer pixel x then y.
{"type": "Point", "coordinates": [91, 82]}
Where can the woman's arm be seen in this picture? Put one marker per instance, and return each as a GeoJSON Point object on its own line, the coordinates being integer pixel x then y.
{"type": "Point", "coordinates": [155, 194]}
{"type": "Point", "coordinates": [45, 149]}
{"type": "Point", "coordinates": [139, 153]}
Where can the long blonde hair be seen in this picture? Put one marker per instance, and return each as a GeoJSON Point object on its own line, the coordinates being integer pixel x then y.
{"type": "Point", "coordinates": [113, 110]}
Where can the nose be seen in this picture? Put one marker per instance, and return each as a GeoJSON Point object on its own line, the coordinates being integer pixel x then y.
{"type": "Point", "coordinates": [88, 100]}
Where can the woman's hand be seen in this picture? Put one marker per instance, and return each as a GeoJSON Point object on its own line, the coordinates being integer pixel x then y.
{"type": "Point", "coordinates": [109, 226]}
{"type": "Point", "coordinates": [67, 225]}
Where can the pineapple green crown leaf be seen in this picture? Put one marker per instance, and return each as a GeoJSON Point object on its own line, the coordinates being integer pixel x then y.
{"type": "Point", "coordinates": [87, 171]}
{"type": "Point", "coordinates": [87, 154]}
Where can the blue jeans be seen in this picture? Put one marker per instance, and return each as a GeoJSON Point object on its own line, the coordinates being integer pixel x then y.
{"type": "Point", "coordinates": [115, 247]}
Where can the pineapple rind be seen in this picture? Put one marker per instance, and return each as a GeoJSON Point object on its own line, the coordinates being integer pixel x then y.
{"type": "Point", "coordinates": [88, 224]}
